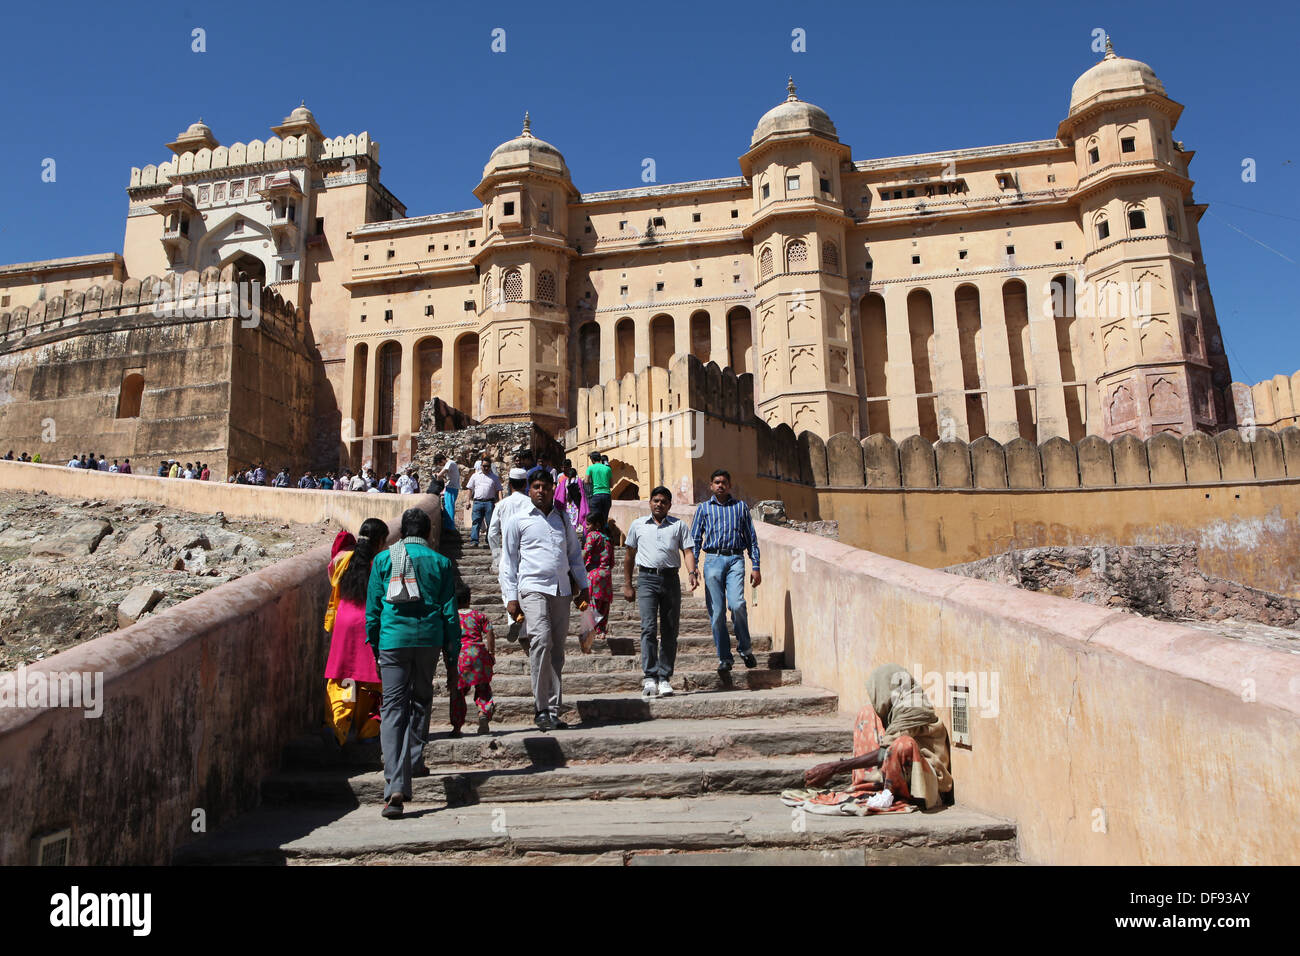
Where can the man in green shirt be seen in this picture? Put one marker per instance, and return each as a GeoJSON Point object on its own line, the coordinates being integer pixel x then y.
{"type": "Point", "coordinates": [410, 616]}
{"type": "Point", "coordinates": [599, 473]}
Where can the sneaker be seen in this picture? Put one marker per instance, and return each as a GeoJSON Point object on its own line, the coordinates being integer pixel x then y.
{"type": "Point", "coordinates": [724, 666]}
{"type": "Point", "coordinates": [392, 809]}
{"type": "Point", "coordinates": [484, 724]}
{"type": "Point", "coordinates": [749, 660]}
{"type": "Point", "coordinates": [665, 689]}
{"type": "Point", "coordinates": [544, 723]}
{"type": "Point", "coordinates": [649, 688]}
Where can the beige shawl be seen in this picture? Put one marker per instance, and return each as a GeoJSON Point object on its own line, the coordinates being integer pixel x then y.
{"type": "Point", "coordinates": [903, 708]}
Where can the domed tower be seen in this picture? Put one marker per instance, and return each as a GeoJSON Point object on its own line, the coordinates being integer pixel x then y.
{"type": "Point", "coordinates": [803, 351]}
{"type": "Point", "coordinates": [523, 268]}
{"type": "Point", "coordinates": [1140, 294]}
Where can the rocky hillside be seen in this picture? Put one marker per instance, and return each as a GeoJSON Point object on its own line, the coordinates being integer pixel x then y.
{"type": "Point", "coordinates": [73, 570]}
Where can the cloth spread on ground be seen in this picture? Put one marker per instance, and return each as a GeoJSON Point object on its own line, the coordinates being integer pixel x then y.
{"type": "Point", "coordinates": [898, 717]}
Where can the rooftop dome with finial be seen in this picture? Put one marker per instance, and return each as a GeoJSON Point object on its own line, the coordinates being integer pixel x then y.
{"type": "Point", "coordinates": [300, 120]}
{"type": "Point", "coordinates": [1114, 77]}
{"type": "Point", "coordinates": [526, 150]}
{"type": "Point", "coordinates": [794, 116]}
{"type": "Point", "coordinates": [196, 137]}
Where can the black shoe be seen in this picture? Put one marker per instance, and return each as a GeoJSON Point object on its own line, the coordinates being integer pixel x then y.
{"type": "Point", "coordinates": [392, 810]}
{"type": "Point", "coordinates": [724, 666]}
{"type": "Point", "coordinates": [544, 723]}
{"type": "Point", "coordinates": [749, 660]}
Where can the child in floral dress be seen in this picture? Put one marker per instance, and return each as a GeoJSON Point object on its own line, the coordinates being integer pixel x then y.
{"type": "Point", "coordinates": [477, 655]}
{"type": "Point", "coordinates": [598, 556]}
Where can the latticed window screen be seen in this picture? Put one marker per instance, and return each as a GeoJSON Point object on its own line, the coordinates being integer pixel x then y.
{"type": "Point", "coordinates": [831, 258]}
{"type": "Point", "coordinates": [796, 255]}
{"type": "Point", "coordinates": [514, 286]}
{"type": "Point", "coordinates": [765, 263]}
{"type": "Point", "coordinates": [487, 291]}
{"type": "Point", "coordinates": [546, 286]}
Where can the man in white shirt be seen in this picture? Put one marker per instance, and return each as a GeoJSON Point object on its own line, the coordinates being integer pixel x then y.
{"type": "Point", "coordinates": [517, 499]}
{"type": "Point", "coordinates": [358, 483]}
{"type": "Point", "coordinates": [484, 489]}
{"type": "Point", "coordinates": [540, 550]}
{"type": "Point", "coordinates": [404, 484]}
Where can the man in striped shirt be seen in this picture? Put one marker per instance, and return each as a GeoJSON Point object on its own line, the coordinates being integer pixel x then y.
{"type": "Point", "coordinates": [724, 530]}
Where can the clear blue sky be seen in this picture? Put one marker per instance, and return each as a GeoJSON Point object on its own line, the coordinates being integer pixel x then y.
{"type": "Point", "coordinates": [100, 87]}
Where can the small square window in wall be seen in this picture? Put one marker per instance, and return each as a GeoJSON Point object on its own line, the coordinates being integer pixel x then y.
{"type": "Point", "coordinates": [659, 287]}
{"type": "Point", "coordinates": [446, 246]}
{"type": "Point", "coordinates": [767, 190]}
{"type": "Point", "coordinates": [1059, 244]}
{"type": "Point", "coordinates": [916, 260]}
{"type": "Point", "coordinates": [1127, 145]}
{"type": "Point", "coordinates": [469, 305]}
{"type": "Point", "coordinates": [1170, 224]}
{"type": "Point", "coordinates": [699, 283]}
{"type": "Point", "coordinates": [659, 222]}
{"type": "Point", "coordinates": [432, 247]}
{"type": "Point", "coordinates": [286, 272]}
{"type": "Point", "coordinates": [1011, 250]}
{"type": "Point", "coordinates": [1103, 230]}
{"type": "Point", "coordinates": [792, 184]}
{"type": "Point", "coordinates": [391, 253]}
{"type": "Point", "coordinates": [622, 290]}
{"type": "Point", "coordinates": [1137, 219]}
{"type": "Point", "coordinates": [911, 194]}
{"type": "Point", "coordinates": [4, 300]}
{"type": "Point", "coordinates": [1094, 155]}
{"type": "Point", "coordinates": [1051, 177]}
{"type": "Point", "coordinates": [961, 254]}
{"type": "Point", "coordinates": [473, 243]}
{"type": "Point", "coordinates": [509, 209]}
{"type": "Point", "coordinates": [363, 318]}
{"type": "Point", "coordinates": [366, 257]}
{"type": "Point", "coordinates": [735, 280]}
{"type": "Point", "coordinates": [388, 315]}
{"type": "Point", "coordinates": [825, 185]}
{"type": "Point", "coordinates": [320, 225]}
{"type": "Point", "coordinates": [695, 217]}
{"type": "Point", "coordinates": [622, 225]}
{"type": "Point", "coordinates": [428, 310]}
{"type": "Point", "coordinates": [735, 214]}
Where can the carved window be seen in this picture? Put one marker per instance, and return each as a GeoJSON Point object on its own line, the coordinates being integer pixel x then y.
{"type": "Point", "coordinates": [796, 256]}
{"type": "Point", "coordinates": [765, 263]}
{"type": "Point", "coordinates": [514, 286]}
{"type": "Point", "coordinates": [831, 258]}
{"type": "Point", "coordinates": [546, 286]}
{"type": "Point", "coordinates": [488, 299]}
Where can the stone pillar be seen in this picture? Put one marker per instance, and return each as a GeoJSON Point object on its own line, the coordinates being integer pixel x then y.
{"type": "Point", "coordinates": [1003, 424]}
{"type": "Point", "coordinates": [607, 347]}
{"type": "Point", "coordinates": [1048, 391]}
{"type": "Point", "coordinates": [450, 366]}
{"type": "Point", "coordinates": [948, 380]}
{"type": "Point", "coordinates": [899, 373]}
{"type": "Point", "coordinates": [408, 422]}
{"type": "Point", "coordinates": [372, 401]}
{"type": "Point", "coordinates": [641, 342]}
{"type": "Point", "coordinates": [857, 347]}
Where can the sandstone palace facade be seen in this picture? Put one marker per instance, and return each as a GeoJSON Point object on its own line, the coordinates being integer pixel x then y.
{"type": "Point", "coordinates": [1038, 289]}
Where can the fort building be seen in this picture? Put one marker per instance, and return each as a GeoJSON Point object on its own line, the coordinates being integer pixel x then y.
{"type": "Point", "coordinates": [1048, 288]}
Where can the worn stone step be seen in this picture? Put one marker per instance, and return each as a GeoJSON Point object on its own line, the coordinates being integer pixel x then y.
{"type": "Point", "coordinates": [700, 705]}
{"type": "Point", "coordinates": [458, 787]}
{"type": "Point", "coordinates": [684, 681]}
{"type": "Point", "coordinates": [614, 831]}
{"type": "Point", "coordinates": [692, 643]}
{"type": "Point", "coordinates": [628, 663]}
{"type": "Point", "coordinates": [522, 745]}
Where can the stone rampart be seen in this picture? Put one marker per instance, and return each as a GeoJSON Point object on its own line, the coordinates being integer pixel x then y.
{"type": "Point", "coordinates": [1103, 735]}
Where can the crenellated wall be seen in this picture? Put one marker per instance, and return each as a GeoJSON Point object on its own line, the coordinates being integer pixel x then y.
{"type": "Point", "coordinates": [1274, 402]}
{"type": "Point", "coordinates": [256, 151]}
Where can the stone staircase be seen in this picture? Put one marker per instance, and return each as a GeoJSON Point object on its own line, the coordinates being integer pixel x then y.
{"type": "Point", "coordinates": [692, 778]}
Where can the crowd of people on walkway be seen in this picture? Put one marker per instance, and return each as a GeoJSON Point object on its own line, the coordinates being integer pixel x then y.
{"type": "Point", "coordinates": [394, 611]}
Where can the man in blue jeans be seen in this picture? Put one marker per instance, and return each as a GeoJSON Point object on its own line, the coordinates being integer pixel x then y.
{"type": "Point", "coordinates": [724, 530]}
{"type": "Point", "coordinates": [484, 487]}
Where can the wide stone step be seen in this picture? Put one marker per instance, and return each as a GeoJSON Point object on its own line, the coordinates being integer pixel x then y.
{"type": "Point", "coordinates": [702, 705]}
{"type": "Point", "coordinates": [627, 663]}
{"type": "Point", "coordinates": [458, 787]}
{"type": "Point", "coordinates": [657, 740]}
{"type": "Point", "coordinates": [616, 832]}
{"type": "Point", "coordinates": [696, 643]}
{"type": "Point", "coordinates": [684, 681]}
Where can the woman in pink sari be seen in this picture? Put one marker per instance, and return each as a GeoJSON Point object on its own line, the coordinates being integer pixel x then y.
{"type": "Point", "coordinates": [351, 673]}
{"type": "Point", "coordinates": [571, 496]}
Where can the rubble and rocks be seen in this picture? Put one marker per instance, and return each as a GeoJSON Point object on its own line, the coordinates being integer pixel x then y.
{"type": "Point", "coordinates": [74, 570]}
{"type": "Point", "coordinates": [1165, 583]}
{"type": "Point", "coordinates": [773, 512]}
